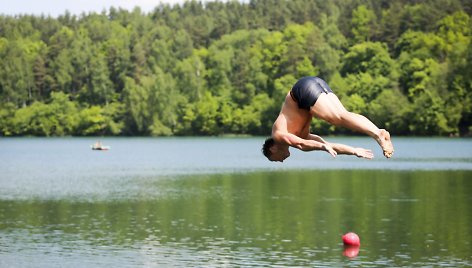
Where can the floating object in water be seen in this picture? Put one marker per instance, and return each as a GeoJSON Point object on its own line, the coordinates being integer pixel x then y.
{"type": "Point", "coordinates": [351, 251]}
{"type": "Point", "coordinates": [351, 239]}
{"type": "Point", "coordinates": [100, 147]}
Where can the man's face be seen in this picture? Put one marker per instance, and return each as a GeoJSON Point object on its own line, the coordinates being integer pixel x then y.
{"type": "Point", "coordinates": [279, 152]}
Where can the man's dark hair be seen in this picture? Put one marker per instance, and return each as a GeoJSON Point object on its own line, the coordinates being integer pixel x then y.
{"type": "Point", "coordinates": [266, 147]}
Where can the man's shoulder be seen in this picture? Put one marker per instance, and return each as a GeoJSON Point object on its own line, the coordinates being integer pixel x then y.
{"type": "Point", "coordinates": [282, 136]}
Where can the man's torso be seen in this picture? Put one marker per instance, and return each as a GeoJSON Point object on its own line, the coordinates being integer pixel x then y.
{"type": "Point", "coordinates": [292, 120]}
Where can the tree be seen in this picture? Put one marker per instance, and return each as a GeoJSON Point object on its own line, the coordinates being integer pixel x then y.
{"type": "Point", "coordinates": [190, 77]}
{"type": "Point", "coordinates": [388, 110]}
{"type": "Point", "coordinates": [164, 101]}
{"type": "Point", "coordinates": [137, 106]}
{"type": "Point", "coordinates": [363, 24]}
{"type": "Point", "coordinates": [17, 80]}
{"type": "Point", "coordinates": [368, 57]}
{"type": "Point", "coordinates": [99, 88]}
{"type": "Point", "coordinates": [57, 118]}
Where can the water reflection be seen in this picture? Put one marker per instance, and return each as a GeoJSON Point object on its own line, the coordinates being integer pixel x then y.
{"type": "Point", "coordinates": [351, 251]}
{"type": "Point", "coordinates": [282, 218]}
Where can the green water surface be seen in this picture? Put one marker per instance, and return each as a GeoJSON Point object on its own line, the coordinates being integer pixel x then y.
{"type": "Point", "coordinates": [268, 218]}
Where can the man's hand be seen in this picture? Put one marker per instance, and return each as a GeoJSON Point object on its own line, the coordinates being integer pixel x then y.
{"type": "Point", "coordinates": [364, 153]}
{"type": "Point", "coordinates": [326, 147]}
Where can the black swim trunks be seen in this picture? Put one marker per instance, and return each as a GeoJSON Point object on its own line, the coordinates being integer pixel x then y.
{"type": "Point", "coordinates": [307, 90]}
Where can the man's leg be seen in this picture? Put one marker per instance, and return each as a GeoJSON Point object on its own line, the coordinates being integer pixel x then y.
{"type": "Point", "coordinates": [329, 108]}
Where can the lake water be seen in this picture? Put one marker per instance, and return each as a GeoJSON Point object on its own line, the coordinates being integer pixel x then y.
{"type": "Point", "coordinates": [217, 202]}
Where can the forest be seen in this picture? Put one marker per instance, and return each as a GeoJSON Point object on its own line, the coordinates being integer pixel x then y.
{"type": "Point", "coordinates": [223, 68]}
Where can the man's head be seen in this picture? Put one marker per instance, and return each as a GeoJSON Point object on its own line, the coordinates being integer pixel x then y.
{"type": "Point", "coordinates": [274, 151]}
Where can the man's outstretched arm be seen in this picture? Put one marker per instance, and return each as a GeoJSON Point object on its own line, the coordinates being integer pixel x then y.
{"type": "Point", "coordinates": [304, 144]}
{"type": "Point", "coordinates": [344, 149]}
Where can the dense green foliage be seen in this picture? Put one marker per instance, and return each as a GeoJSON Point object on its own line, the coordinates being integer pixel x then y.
{"type": "Point", "coordinates": [219, 68]}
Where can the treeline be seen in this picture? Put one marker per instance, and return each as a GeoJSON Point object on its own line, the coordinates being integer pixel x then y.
{"type": "Point", "coordinates": [223, 68]}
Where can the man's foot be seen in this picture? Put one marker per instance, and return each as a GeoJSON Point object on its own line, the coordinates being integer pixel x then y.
{"type": "Point", "coordinates": [386, 143]}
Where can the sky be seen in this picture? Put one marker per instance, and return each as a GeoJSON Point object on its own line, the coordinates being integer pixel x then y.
{"type": "Point", "coordinates": [55, 8]}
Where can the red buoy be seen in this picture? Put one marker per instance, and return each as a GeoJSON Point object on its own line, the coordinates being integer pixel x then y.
{"type": "Point", "coordinates": [351, 239]}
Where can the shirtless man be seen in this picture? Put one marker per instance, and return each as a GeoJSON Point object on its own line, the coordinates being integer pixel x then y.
{"type": "Point", "coordinates": [309, 97]}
